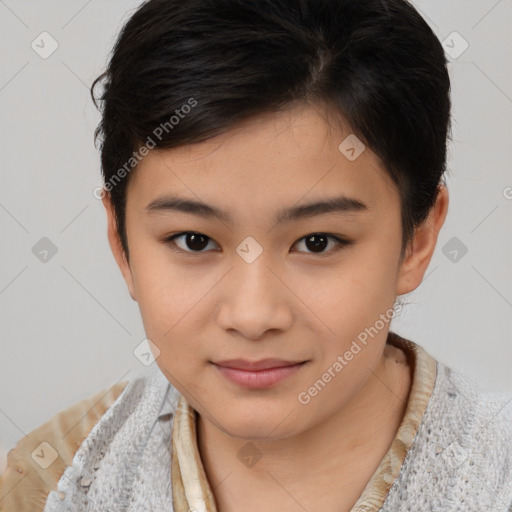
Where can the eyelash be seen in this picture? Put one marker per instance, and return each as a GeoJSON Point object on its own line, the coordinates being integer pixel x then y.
{"type": "Point", "coordinates": [342, 242]}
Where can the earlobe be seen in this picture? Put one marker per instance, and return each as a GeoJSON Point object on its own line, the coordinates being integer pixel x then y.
{"type": "Point", "coordinates": [116, 246]}
{"type": "Point", "coordinates": [421, 248]}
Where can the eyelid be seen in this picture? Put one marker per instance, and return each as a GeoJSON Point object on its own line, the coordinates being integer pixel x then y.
{"type": "Point", "coordinates": [341, 242]}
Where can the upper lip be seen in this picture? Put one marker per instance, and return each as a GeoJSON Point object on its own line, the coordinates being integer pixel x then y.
{"type": "Point", "coordinates": [263, 364]}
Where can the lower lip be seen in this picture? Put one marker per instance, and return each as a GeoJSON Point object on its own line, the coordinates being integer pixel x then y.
{"type": "Point", "coordinates": [259, 379]}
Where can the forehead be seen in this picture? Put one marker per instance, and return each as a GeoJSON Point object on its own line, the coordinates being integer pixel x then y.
{"type": "Point", "coordinates": [266, 162]}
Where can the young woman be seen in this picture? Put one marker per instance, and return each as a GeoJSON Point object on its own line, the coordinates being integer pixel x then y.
{"type": "Point", "coordinates": [273, 184]}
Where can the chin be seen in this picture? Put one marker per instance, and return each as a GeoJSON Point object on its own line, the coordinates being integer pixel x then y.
{"type": "Point", "coordinates": [258, 425]}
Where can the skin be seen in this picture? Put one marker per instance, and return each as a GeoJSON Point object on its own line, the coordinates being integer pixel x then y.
{"type": "Point", "coordinates": [291, 303]}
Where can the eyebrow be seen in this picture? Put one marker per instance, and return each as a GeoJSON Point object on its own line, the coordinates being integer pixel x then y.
{"type": "Point", "coordinates": [341, 204]}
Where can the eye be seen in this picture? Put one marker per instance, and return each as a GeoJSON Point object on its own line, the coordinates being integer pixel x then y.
{"type": "Point", "coordinates": [318, 241]}
{"type": "Point", "coordinates": [193, 242]}
{"type": "Point", "coordinates": [190, 240]}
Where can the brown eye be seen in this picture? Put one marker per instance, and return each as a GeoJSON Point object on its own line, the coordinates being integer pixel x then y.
{"type": "Point", "coordinates": [189, 241]}
{"type": "Point", "coordinates": [317, 242]}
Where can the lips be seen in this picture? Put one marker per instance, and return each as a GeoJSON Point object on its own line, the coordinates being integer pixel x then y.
{"type": "Point", "coordinates": [263, 364]}
{"type": "Point", "coordinates": [257, 374]}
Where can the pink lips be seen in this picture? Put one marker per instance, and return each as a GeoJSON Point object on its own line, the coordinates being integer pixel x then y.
{"type": "Point", "coordinates": [257, 374]}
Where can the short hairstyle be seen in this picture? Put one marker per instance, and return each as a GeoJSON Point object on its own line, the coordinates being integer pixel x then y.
{"type": "Point", "coordinates": [182, 72]}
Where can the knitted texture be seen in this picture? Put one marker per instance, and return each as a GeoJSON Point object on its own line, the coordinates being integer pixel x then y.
{"type": "Point", "coordinates": [124, 464]}
{"type": "Point", "coordinates": [460, 458]}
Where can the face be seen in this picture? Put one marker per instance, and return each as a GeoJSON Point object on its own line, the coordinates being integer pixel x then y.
{"type": "Point", "coordinates": [252, 283]}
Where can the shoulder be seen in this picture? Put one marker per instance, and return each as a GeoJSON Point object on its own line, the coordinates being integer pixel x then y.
{"type": "Point", "coordinates": [467, 442]}
{"type": "Point", "coordinates": [487, 430]}
{"type": "Point", "coordinates": [39, 459]}
{"type": "Point", "coordinates": [487, 414]}
{"type": "Point", "coordinates": [461, 455]}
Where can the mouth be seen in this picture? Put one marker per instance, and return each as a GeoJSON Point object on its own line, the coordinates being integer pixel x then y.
{"type": "Point", "coordinates": [262, 364]}
{"type": "Point", "coordinates": [258, 374]}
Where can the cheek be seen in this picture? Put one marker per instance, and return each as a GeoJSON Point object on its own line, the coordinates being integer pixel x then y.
{"type": "Point", "coordinates": [358, 308]}
{"type": "Point", "coordinates": [373, 272]}
{"type": "Point", "coordinates": [166, 302]}
{"type": "Point", "coordinates": [356, 295]}
{"type": "Point", "coordinates": [162, 290]}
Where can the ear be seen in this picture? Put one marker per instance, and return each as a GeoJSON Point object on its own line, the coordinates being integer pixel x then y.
{"type": "Point", "coordinates": [115, 244]}
{"type": "Point", "coordinates": [422, 246]}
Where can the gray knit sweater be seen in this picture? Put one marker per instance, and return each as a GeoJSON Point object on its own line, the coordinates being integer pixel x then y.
{"type": "Point", "coordinates": [460, 459]}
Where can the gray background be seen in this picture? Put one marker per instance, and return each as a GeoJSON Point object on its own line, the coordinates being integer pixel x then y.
{"type": "Point", "coordinates": [68, 326]}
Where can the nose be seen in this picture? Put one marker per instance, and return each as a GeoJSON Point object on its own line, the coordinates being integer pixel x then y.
{"type": "Point", "coordinates": [255, 300]}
